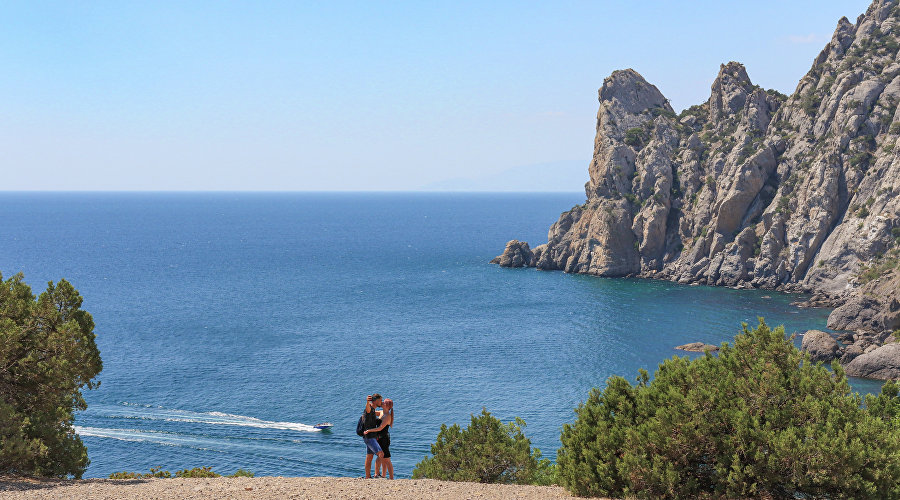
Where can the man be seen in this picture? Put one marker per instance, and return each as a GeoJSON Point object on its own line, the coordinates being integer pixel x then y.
{"type": "Point", "coordinates": [370, 422]}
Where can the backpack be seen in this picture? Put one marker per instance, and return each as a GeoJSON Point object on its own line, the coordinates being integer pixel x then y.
{"type": "Point", "coordinates": [360, 426]}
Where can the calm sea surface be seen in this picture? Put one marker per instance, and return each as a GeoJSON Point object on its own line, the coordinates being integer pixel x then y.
{"type": "Point", "coordinates": [229, 324]}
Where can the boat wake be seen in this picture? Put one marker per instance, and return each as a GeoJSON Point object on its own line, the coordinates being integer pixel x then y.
{"type": "Point", "coordinates": [147, 436]}
{"type": "Point", "coordinates": [145, 412]}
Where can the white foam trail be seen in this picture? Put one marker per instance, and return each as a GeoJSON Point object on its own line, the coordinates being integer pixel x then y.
{"type": "Point", "coordinates": [210, 418]}
{"type": "Point", "coordinates": [143, 436]}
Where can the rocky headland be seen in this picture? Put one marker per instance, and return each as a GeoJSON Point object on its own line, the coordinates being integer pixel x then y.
{"type": "Point", "coordinates": [756, 189]}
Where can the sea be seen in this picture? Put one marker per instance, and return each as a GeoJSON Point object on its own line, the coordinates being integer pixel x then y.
{"type": "Point", "coordinates": [230, 324]}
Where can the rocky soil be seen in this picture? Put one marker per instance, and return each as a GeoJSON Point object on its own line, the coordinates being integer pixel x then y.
{"type": "Point", "coordinates": [261, 488]}
{"type": "Point", "coordinates": [752, 188]}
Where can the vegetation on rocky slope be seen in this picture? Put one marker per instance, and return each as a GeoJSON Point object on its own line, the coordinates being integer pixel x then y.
{"type": "Point", "coordinates": [759, 420]}
{"type": "Point", "coordinates": [751, 188]}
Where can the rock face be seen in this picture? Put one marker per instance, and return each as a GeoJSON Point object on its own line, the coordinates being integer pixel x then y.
{"type": "Point", "coordinates": [752, 188]}
{"type": "Point", "coordinates": [820, 345]}
{"type": "Point", "coordinates": [697, 347]}
{"type": "Point", "coordinates": [881, 363]}
{"type": "Point", "coordinates": [516, 254]}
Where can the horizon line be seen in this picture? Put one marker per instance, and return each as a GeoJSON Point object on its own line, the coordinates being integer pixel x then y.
{"type": "Point", "coordinates": [273, 191]}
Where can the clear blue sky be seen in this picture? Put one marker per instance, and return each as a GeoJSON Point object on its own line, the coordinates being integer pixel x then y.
{"type": "Point", "coordinates": [354, 95]}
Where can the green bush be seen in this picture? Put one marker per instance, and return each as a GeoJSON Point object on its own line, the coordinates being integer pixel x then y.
{"type": "Point", "coordinates": [784, 202]}
{"type": "Point", "coordinates": [47, 354]}
{"type": "Point", "coordinates": [154, 472]}
{"type": "Point", "coordinates": [879, 266]}
{"type": "Point", "coordinates": [635, 137]}
{"type": "Point", "coordinates": [197, 472]}
{"type": "Point", "coordinates": [758, 420]}
{"type": "Point", "coordinates": [487, 451]}
{"type": "Point", "coordinates": [810, 102]}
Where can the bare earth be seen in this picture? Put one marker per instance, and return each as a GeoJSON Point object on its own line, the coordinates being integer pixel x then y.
{"type": "Point", "coordinates": [269, 487]}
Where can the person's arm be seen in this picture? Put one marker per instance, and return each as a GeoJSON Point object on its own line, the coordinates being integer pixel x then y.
{"type": "Point", "coordinates": [384, 423]}
{"type": "Point", "coordinates": [368, 404]}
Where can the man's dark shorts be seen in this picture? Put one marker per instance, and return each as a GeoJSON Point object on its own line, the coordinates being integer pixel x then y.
{"type": "Point", "coordinates": [372, 447]}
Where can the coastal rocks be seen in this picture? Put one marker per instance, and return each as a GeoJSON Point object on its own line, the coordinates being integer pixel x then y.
{"type": "Point", "coordinates": [855, 314]}
{"type": "Point", "coordinates": [752, 188]}
{"type": "Point", "coordinates": [881, 363]}
{"type": "Point", "coordinates": [697, 347]}
{"type": "Point", "coordinates": [820, 345]}
{"type": "Point", "coordinates": [875, 307]}
{"type": "Point", "coordinates": [516, 254]}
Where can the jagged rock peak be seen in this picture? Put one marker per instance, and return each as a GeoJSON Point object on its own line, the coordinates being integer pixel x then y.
{"type": "Point", "coordinates": [729, 90]}
{"type": "Point", "coordinates": [631, 92]}
{"type": "Point", "coordinates": [753, 188]}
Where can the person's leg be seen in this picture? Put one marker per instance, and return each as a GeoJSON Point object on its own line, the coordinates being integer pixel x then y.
{"type": "Point", "coordinates": [387, 466]}
{"type": "Point", "coordinates": [372, 448]}
{"type": "Point", "coordinates": [378, 460]}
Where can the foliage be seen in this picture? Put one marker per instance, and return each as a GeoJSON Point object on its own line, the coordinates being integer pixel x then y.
{"type": "Point", "coordinates": [661, 111]}
{"type": "Point", "coordinates": [777, 95]}
{"type": "Point", "coordinates": [861, 159]}
{"type": "Point", "coordinates": [784, 203]}
{"type": "Point", "coordinates": [635, 137]}
{"type": "Point", "coordinates": [880, 266]}
{"type": "Point", "coordinates": [487, 451]}
{"type": "Point", "coordinates": [810, 102]}
{"type": "Point", "coordinates": [758, 420]}
{"type": "Point", "coordinates": [154, 472]}
{"type": "Point", "coordinates": [47, 354]}
{"type": "Point", "coordinates": [197, 472]}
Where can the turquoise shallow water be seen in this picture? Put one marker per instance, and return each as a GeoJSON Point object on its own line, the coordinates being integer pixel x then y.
{"type": "Point", "coordinates": [230, 323]}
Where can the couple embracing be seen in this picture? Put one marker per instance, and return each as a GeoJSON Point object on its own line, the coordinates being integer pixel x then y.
{"type": "Point", "coordinates": [376, 425]}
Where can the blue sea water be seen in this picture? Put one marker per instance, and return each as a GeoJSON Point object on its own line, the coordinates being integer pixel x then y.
{"type": "Point", "coordinates": [230, 323]}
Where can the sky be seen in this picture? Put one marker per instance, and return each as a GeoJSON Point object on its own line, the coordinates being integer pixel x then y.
{"type": "Point", "coordinates": [349, 96]}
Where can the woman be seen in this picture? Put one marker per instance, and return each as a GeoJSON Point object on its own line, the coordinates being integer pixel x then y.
{"type": "Point", "coordinates": [384, 467]}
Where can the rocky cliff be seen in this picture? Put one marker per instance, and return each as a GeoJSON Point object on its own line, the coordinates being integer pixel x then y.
{"type": "Point", "coordinates": [751, 188]}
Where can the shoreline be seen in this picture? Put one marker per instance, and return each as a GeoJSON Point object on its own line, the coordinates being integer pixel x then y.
{"type": "Point", "coordinates": [268, 487]}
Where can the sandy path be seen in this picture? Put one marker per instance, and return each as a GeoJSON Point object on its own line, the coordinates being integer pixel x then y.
{"type": "Point", "coordinates": [269, 487]}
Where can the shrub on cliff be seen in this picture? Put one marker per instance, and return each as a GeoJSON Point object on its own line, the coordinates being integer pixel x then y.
{"type": "Point", "coordinates": [759, 420]}
{"type": "Point", "coordinates": [635, 137]}
{"type": "Point", "coordinates": [487, 451]}
{"type": "Point", "coordinates": [47, 354]}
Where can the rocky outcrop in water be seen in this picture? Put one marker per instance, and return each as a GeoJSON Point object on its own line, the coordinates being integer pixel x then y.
{"type": "Point", "coordinates": [820, 345]}
{"type": "Point", "coordinates": [753, 188]}
{"type": "Point", "coordinates": [881, 363]}
{"type": "Point", "coordinates": [516, 254]}
{"type": "Point", "coordinates": [697, 347]}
